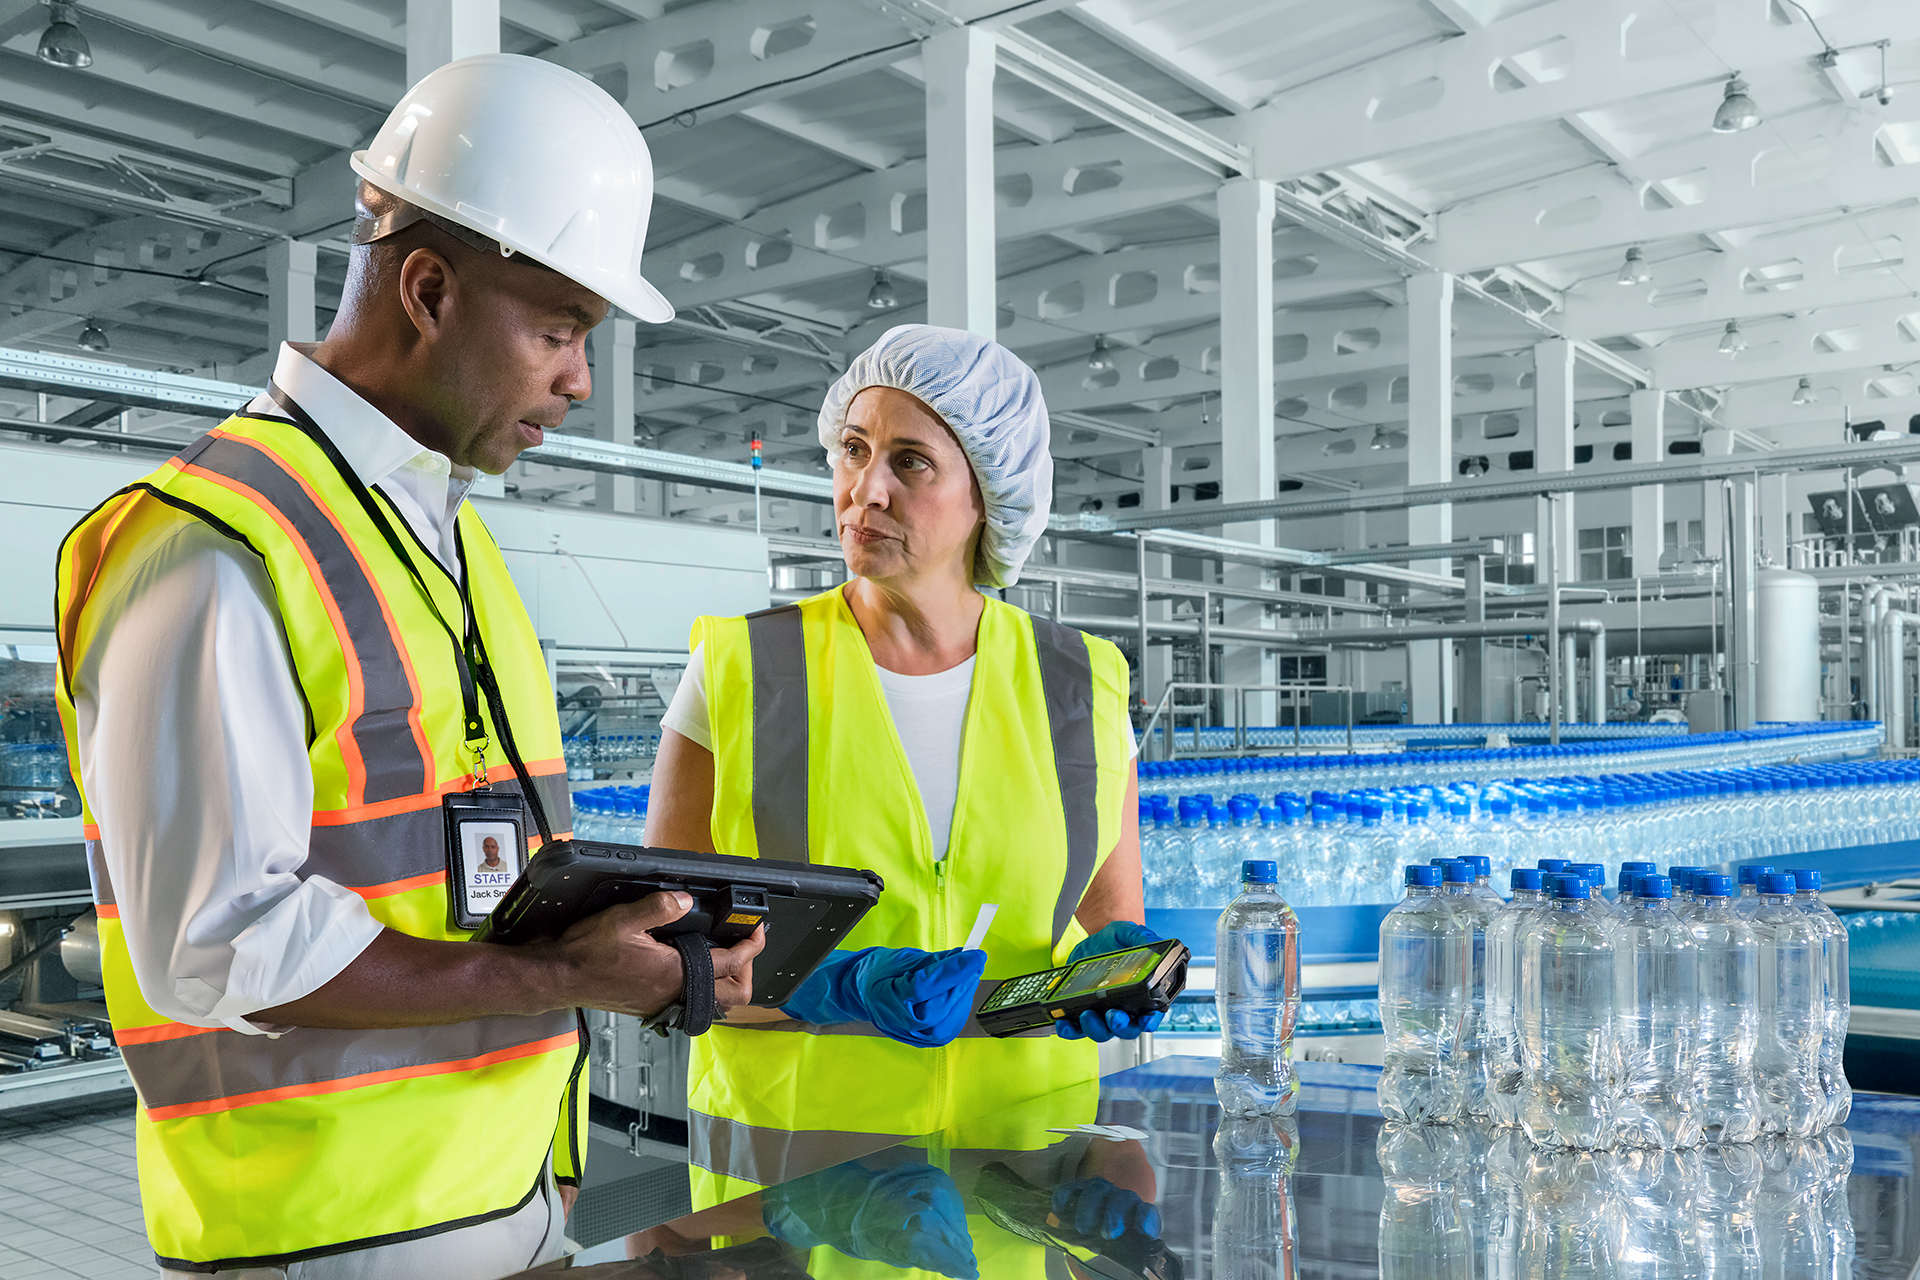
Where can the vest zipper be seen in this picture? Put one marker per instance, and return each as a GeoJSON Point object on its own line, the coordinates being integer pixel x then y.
{"type": "Point", "coordinates": [943, 912]}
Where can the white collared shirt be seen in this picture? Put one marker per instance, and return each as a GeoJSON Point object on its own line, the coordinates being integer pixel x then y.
{"type": "Point", "coordinates": [193, 742]}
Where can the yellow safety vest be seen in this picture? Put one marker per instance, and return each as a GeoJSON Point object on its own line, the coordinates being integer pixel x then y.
{"type": "Point", "coordinates": [258, 1151]}
{"type": "Point", "coordinates": [808, 767]}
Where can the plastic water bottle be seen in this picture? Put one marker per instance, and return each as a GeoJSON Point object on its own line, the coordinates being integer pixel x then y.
{"type": "Point", "coordinates": [1257, 993]}
{"type": "Point", "coordinates": [1425, 951]}
{"type": "Point", "coordinates": [1185, 847]}
{"type": "Point", "coordinates": [1224, 850]}
{"type": "Point", "coordinates": [1655, 995]}
{"type": "Point", "coordinates": [1566, 1022]}
{"type": "Point", "coordinates": [1727, 1205]}
{"type": "Point", "coordinates": [1727, 1021]}
{"type": "Point", "coordinates": [1750, 888]}
{"type": "Point", "coordinates": [1786, 1061]}
{"type": "Point", "coordinates": [1658, 1233]}
{"type": "Point", "coordinates": [1502, 990]}
{"type": "Point", "coordinates": [1477, 912]}
{"type": "Point", "coordinates": [1837, 1002]}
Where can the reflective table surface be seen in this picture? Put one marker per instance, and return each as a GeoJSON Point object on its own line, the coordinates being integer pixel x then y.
{"type": "Point", "coordinates": [1142, 1177]}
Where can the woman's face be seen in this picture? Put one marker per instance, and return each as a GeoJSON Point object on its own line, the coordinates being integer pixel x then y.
{"type": "Point", "coordinates": [905, 502]}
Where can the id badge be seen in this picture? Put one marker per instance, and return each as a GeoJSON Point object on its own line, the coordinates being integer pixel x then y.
{"type": "Point", "coordinates": [486, 851]}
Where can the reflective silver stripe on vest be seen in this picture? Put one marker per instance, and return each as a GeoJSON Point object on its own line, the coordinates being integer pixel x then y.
{"type": "Point", "coordinates": [226, 1064]}
{"type": "Point", "coordinates": [779, 649]}
{"type": "Point", "coordinates": [973, 1028]}
{"type": "Point", "coordinates": [381, 732]}
{"type": "Point", "coordinates": [766, 1157]}
{"type": "Point", "coordinates": [1066, 675]}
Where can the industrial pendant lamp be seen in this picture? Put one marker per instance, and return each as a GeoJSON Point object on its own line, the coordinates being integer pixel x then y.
{"type": "Point", "coordinates": [93, 338]}
{"type": "Point", "coordinates": [1732, 341]}
{"type": "Point", "coordinates": [1737, 111]}
{"type": "Point", "coordinates": [1100, 361]}
{"type": "Point", "coordinates": [882, 297]}
{"type": "Point", "coordinates": [1803, 394]}
{"type": "Point", "coordinates": [1635, 270]}
{"type": "Point", "coordinates": [63, 44]}
{"type": "Point", "coordinates": [1385, 439]}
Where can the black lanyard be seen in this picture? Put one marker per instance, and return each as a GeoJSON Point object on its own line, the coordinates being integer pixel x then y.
{"type": "Point", "coordinates": [469, 649]}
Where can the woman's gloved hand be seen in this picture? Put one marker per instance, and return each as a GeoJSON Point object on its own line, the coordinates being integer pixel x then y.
{"type": "Point", "coordinates": [1121, 935]}
{"type": "Point", "coordinates": [1096, 1209]}
{"type": "Point", "coordinates": [916, 997]}
{"type": "Point", "coordinates": [907, 1216]}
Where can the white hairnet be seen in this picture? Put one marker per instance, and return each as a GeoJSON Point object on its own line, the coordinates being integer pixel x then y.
{"type": "Point", "coordinates": [992, 403]}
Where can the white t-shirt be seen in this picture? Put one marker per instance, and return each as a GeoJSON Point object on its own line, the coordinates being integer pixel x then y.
{"type": "Point", "coordinates": [929, 713]}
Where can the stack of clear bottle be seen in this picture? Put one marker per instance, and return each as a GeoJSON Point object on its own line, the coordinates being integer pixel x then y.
{"type": "Point", "coordinates": [616, 815]}
{"type": "Point", "coordinates": [1338, 849]}
{"type": "Point", "coordinates": [1749, 748]}
{"type": "Point", "coordinates": [1692, 1008]}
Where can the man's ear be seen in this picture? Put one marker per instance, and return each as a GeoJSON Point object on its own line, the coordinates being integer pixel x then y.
{"type": "Point", "coordinates": [427, 288]}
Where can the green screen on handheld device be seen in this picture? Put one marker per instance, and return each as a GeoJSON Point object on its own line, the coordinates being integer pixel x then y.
{"type": "Point", "coordinates": [1115, 969]}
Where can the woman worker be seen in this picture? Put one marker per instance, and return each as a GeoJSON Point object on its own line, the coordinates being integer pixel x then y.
{"type": "Point", "coordinates": [909, 723]}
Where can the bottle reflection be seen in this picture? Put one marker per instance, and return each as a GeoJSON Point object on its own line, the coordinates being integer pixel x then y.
{"type": "Point", "coordinates": [1424, 1234]}
{"type": "Point", "coordinates": [1254, 1236]}
{"type": "Point", "coordinates": [1464, 1203]}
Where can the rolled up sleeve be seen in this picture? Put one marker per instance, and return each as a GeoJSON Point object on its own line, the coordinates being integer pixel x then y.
{"type": "Point", "coordinates": [193, 754]}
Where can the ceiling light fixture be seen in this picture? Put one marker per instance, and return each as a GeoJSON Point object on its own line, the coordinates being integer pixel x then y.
{"type": "Point", "coordinates": [1803, 394]}
{"type": "Point", "coordinates": [1732, 341]}
{"type": "Point", "coordinates": [1100, 361]}
{"type": "Point", "coordinates": [1090, 505]}
{"type": "Point", "coordinates": [1385, 439]}
{"type": "Point", "coordinates": [93, 338]}
{"type": "Point", "coordinates": [1635, 269]}
{"type": "Point", "coordinates": [63, 44]}
{"type": "Point", "coordinates": [1474, 465]}
{"type": "Point", "coordinates": [882, 297]}
{"type": "Point", "coordinates": [1737, 111]}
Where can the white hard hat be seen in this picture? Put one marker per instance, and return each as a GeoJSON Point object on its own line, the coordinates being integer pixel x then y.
{"type": "Point", "coordinates": [532, 156]}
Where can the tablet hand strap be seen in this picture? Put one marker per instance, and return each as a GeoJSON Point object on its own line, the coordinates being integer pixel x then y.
{"type": "Point", "coordinates": [700, 1005]}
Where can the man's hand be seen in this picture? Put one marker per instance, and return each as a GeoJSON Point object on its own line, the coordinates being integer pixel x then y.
{"type": "Point", "coordinates": [620, 967]}
{"type": "Point", "coordinates": [607, 961]}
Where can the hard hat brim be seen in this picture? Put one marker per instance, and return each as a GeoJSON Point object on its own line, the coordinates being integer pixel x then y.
{"type": "Point", "coordinates": [635, 295]}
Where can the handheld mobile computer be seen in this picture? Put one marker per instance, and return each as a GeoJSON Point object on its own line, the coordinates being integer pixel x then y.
{"type": "Point", "coordinates": [1141, 981]}
{"type": "Point", "coordinates": [807, 909]}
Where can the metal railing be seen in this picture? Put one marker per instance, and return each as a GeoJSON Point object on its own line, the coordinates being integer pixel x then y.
{"type": "Point", "coordinates": [1173, 710]}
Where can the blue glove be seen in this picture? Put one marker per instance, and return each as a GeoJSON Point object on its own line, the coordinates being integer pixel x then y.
{"type": "Point", "coordinates": [1096, 1209]}
{"type": "Point", "coordinates": [916, 997]}
{"type": "Point", "coordinates": [1121, 935]}
{"type": "Point", "coordinates": [907, 1216]}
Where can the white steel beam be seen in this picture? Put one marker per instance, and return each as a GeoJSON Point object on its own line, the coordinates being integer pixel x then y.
{"type": "Point", "coordinates": [1554, 523]}
{"type": "Point", "coordinates": [291, 265]}
{"type": "Point", "coordinates": [959, 64]}
{"type": "Point", "coordinates": [613, 407]}
{"type": "Point", "coordinates": [1430, 461]}
{"type": "Point", "coordinates": [1247, 457]}
{"type": "Point", "coordinates": [336, 68]}
{"type": "Point", "coordinates": [1649, 409]}
{"type": "Point", "coordinates": [443, 31]}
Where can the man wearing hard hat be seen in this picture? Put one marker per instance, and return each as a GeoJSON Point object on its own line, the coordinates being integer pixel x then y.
{"type": "Point", "coordinates": [295, 669]}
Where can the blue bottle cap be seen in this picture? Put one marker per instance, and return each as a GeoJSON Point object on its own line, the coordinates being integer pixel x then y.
{"type": "Point", "coordinates": [1595, 873]}
{"type": "Point", "coordinates": [1554, 865]}
{"type": "Point", "coordinates": [1776, 882]}
{"type": "Point", "coordinates": [1482, 866]}
{"type": "Point", "coordinates": [1713, 886]}
{"type": "Point", "coordinates": [1524, 878]}
{"type": "Point", "coordinates": [1642, 867]}
{"type": "Point", "coordinates": [1428, 877]}
{"type": "Point", "coordinates": [1751, 875]}
{"type": "Point", "coordinates": [1259, 871]}
{"type": "Point", "coordinates": [1457, 871]}
{"type": "Point", "coordinates": [1805, 879]}
{"type": "Point", "coordinates": [1571, 887]}
{"type": "Point", "coordinates": [1649, 885]}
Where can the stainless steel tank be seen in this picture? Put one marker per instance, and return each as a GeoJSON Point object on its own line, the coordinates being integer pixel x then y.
{"type": "Point", "coordinates": [1788, 630]}
{"type": "Point", "coordinates": [80, 950]}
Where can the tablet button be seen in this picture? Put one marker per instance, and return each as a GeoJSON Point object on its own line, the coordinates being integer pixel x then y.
{"type": "Point", "coordinates": [593, 851]}
{"type": "Point", "coordinates": [626, 855]}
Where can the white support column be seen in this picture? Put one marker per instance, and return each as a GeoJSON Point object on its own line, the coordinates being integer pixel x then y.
{"type": "Point", "coordinates": [443, 31]}
{"type": "Point", "coordinates": [960, 241]}
{"type": "Point", "coordinates": [613, 413]}
{"type": "Point", "coordinates": [1246, 404]}
{"type": "Point", "coordinates": [1775, 529]}
{"type": "Point", "coordinates": [1553, 447]}
{"type": "Point", "coordinates": [1156, 483]}
{"type": "Point", "coordinates": [1430, 461]}
{"type": "Point", "coordinates": [1649, 410]}
{"type": "Point", "coordinates": [290, 270]}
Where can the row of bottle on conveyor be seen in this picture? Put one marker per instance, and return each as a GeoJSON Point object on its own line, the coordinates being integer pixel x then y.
{"type": "Point", "coordinates": [611, 815]}
{"type": "Point", "coordinates": [1342, 849]}
{"type": "Point", "coordinates": [1692, 1008]}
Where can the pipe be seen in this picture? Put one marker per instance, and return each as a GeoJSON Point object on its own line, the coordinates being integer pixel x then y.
{"type": "Point", "coordinates": [1892, 644]}
{"type": "Point", "coordinates": [1336, 637]}
{"type": "Point", "coordinates": [1872, 608]}
{"type": "Point", "coordinates": [1597, 659]}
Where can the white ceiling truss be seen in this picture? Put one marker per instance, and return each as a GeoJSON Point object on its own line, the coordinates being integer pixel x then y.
{"type": "Point", "coordinates": [1523, 147]}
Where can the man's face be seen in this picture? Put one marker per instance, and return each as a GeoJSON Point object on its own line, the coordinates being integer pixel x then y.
{"type": "Point", "coordinates": [507, 358]}
{"type": "Point", "coordinates": [491, 848]}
